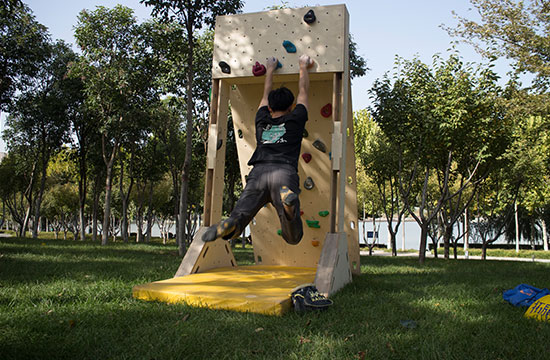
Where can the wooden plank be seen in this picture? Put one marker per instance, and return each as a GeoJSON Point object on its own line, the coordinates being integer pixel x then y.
{"type": "Point", "coordinates": [241, 40]}
{"type": "Point", "coordinates": [333, 271]}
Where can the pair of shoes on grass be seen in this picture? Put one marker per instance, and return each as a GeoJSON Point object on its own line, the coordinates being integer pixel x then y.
{"type": "Point", "coordinates": [307, 298]}
{"type": "Point", "coordinates": [223, 230]}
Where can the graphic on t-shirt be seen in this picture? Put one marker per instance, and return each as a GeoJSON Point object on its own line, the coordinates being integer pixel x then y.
{"type": "Point", "coordinates": [273, 134]}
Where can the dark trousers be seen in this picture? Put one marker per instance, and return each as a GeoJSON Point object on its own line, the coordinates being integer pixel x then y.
{"type": "Point", "coordinates": [263, 185]}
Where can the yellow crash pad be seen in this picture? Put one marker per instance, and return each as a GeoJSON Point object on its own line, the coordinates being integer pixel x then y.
{"type": "Point", "coordinates": [258, 288]}
{"type": "Point", "coordinates": [540, 309]}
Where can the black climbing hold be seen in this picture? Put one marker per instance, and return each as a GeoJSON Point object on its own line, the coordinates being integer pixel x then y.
{"type": "Point", "coordinates": [289, 46]}
{"type": "Point", "coordinates": [219, 144]}
{"type": "Point", "coordinates": [309, 184]}
{"type": "Point", "coordinates": [318, 144]}
{"type": "Point", "coordinates": [226, 69]}
{"type": "Point", "coordinates": [240, 133]}
{"type": "Point", "coordinates": [305, 133]}
{"type": "Point", "coordinates": [309, 17]}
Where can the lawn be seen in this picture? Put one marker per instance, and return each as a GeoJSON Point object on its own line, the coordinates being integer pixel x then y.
{"type": "Point", "coordinates": [65, 299]}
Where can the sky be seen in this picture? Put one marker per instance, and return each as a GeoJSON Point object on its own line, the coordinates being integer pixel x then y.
{"type": "Point", "coordinates": [381, 29]}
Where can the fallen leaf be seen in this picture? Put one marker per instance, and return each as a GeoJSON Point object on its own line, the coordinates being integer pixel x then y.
{"type": "Point", "coordinates": [437, 304]}
{"type": "Point", "coordinates": [388, 345]}
{"type": "Point", "coordinates": [259, 329]}
{"type": "Point", "coordinates": [348, 337]}
{"type": "Point", "coordinates": [186, 317]}
{"type": "Point", "coordinates": [308, 322]}
{"type": "Point", "coordinates": [304, 340]}
{"type": "Point", "coordinates": [72, 324]}
{"type": "Point", "coordinates": [361, 355]}
{"type": "Point", "coordinates": [49, 312]}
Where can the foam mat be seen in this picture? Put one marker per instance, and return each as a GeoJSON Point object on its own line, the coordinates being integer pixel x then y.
{"type": "Point", "coordinates": [258, 289]}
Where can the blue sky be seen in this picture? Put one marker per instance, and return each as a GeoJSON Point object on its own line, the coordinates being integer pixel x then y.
{"type": "Point", "coordinates": [381, 29]}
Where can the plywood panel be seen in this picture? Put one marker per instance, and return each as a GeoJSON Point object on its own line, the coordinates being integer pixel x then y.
{"type": "Point", "coordinates": [268, 245]}
{"type": "Point", "coordinates": [241, 40]}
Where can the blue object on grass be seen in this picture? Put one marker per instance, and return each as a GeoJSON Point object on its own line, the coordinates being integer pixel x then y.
{"type": "Point", "coordinates": [524, 295]}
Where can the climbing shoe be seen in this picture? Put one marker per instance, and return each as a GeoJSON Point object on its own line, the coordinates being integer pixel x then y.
{"type": "Point", "coordinates": [288, 197]}
{"type": "Point", "coordinates": [224, 230]}
{"type": "Point", "coordinates": [307, 298]}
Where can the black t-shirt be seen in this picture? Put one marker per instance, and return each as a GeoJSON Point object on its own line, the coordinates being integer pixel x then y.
{"type": "Point", "coordinates": [279, 140]}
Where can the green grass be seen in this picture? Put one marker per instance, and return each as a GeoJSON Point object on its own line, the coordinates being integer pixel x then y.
{"type": "Point", "coordinates": [529, 254]}
{"type": "Point", "coordinates": [65, 299]}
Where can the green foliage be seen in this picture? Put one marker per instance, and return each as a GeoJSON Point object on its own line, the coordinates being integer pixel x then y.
{"type": "Point", "coordinates": [22, 48]}
{"type": "Point", "coordinates": [518, 30]}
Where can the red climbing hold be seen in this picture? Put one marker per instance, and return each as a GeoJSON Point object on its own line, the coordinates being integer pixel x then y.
{"type": "Point", "coordinates": [306, 157]}
{"type": "Point", "coordinates": [301, 212]}
{"type": "Point", "coordinates": [258, 69]}
{"type": "Point", "coordinates": [326, 110]}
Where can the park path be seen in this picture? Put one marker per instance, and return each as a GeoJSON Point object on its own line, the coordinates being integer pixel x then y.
{"type": "Point", "coordinates": [471, 257]}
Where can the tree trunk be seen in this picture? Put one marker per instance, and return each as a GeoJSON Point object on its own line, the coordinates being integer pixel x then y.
{"type": "Point", "coordinates": [22, 231]}
{"type": "Point", "coordinates": [149, 214]}
{"type": "Point", "coordinates": [484, 251]}
{"type": "Point", "coordinates": [544, 235]}
{"type": "Point", "coordinates": [95, 207]}
{"type": "Point", "coordinates": [532, 233]}
{"type": "Point", "coordinates": [423, 241]}
{"type": "Point", "coordinates": [82, 188]}
{"type": "Point", "coordinates": [107, 210]}
{"type": "Point", "coordinates": [38, 203]}
{"type": "Point", "coordinates": [517, 225]}
{"type": "Point", "coordinates": [447, 239]}
{"type": "Point", "coordinates": [188, 145]}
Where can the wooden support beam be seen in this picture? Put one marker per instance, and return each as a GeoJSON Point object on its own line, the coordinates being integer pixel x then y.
{"type": "Point", "coordinates": [336, 147]}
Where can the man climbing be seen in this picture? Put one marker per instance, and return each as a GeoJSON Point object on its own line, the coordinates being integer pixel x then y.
{"type": "Point", "coordinates": [274, 176]}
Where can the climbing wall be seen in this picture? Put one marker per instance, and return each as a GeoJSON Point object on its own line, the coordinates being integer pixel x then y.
{"type": "Point", "coordinates": [240, 42]}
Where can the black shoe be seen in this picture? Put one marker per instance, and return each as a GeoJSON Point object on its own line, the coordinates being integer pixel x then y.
{"type": "Point", "coordinates": [210, 234]}
{"type": "Point", "coordinates": [224, 230]}
{"type": "Point", "coordinates": [288, 197]}
{"type": "Point", "coordinates": [307, 297]}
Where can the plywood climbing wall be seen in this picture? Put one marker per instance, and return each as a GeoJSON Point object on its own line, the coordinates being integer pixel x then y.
{"type": "Point", "coordinates": [240, 41]}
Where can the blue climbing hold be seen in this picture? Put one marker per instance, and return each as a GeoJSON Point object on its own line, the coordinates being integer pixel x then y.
{"type": "Point", "coordinates": [279, 65]}
{"type": "Point", "coordinates": [289, 46]}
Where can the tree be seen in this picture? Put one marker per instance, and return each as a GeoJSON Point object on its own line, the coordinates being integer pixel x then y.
{"type": "Point", "coordinates": [443, 124]}
{"type": "Point", "coordinates": [38, 118]}
{"type": "Point", "coordinates": [516, 30]}
{"type": "Point", "coordinates": [377, 154]}
{"type": "Point", "coordinates": [22, 48]}
{"type": "Point", "coordinates": [193, 16]}
{"type": "Point", "coordinates": [118, 71]}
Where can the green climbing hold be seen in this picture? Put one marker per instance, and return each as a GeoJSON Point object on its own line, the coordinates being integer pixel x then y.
{"type": "Point", "coordinates": [313, 224]}
{"type": "Point", "coordinates": [323, 213]}
{"type": "Point", "coordinates": [280, 232]}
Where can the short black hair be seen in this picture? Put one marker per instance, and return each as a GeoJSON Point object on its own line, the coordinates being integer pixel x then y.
{"type": "Point", "coordinates": [280, 99]}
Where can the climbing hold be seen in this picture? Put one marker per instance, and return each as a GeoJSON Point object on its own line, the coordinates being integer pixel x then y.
{"type": "Point", "coordinates": [315, 243]}
{"type": "Point", "coordinates": [326, 110]}
{"type": "Point", "coordinates": [258, 69]}
{"type": "Point", "coordinates": [289, 47]}
{"type": "Point", "coordinates": [305, 133]}
{"type": "Point", "coordinates": [313, 224]}
{"type": "Point", "coordinates": [323, 213]}
{"type": "Point", "coordinates": [240, 133]}
{"type": "Point", "coordinates": [309, 184]}
{"type": "Point", "coordinates": [279, 232]}
{"type": "Point", "coordinates": [301, 212]}
{"type": "Point", "coordinates": [330, 155]}
{"type": "Point", "coordinates": [309, 17]}
{"type": "Point", "coordinates": [246, 178]}
{"type": "Point", "coordinates": [219, 144]}
{"type": "Point", "coordinates": [225, 67]}
{"type": "Point", "coordinates": [319, 145]}
{"type": "Point", "coordinates": [306, 157]}
{"type": "Point", "coordinates": [279, 65]}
